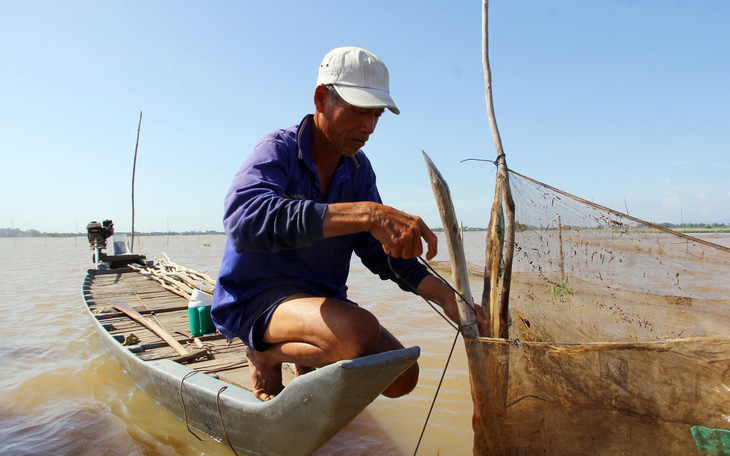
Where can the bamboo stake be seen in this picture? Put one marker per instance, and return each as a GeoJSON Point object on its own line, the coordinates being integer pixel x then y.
{"type": "Point", "coordinates": [562, 258]}
{"type": "Point", "coordinates": [459, 270]}
{"type": "Point", "coordinates": [509, 249]}
{"type": "Point", "coordinates": [502, 307]}
{"type": "Point", "coordinates": [487, 436]}
{"type": "Point", "coordinates": [495, 235]}
{"type": "Point", "coordinates": [134, 171]}
{"type": "Point", "coordinates": [488, 81]}
{"type": "Point", "coordinates": [500, 246]}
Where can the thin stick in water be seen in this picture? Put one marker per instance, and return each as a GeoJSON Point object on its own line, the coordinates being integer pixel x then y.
{"type": "Point", "coordinates": [134, 171]}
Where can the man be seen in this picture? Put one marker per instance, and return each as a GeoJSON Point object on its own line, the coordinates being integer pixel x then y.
{"type": "Point", "coordinates": [298, 208]}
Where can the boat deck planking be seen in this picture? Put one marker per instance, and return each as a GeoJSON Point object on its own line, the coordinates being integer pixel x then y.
{"type": "Point", "coordinates": [171, 312]}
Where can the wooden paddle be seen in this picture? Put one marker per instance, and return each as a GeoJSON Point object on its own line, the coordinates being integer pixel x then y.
{"type": "Point", "coordinates": [132, 313]}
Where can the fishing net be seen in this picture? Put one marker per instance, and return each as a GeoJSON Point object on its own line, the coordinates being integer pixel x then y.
{"type": "Point", "coordinates": [618, 339]}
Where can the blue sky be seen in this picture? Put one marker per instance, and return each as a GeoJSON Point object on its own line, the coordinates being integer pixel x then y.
{"type": "Point", "coordinates": [609, 100]}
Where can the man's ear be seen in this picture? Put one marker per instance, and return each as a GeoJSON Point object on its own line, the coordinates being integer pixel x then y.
{"type": "Point", "coordinates": [321, 96]}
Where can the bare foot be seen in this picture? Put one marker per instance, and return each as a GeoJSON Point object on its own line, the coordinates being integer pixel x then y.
{"type": "Point", "coordinates": [266, 379]}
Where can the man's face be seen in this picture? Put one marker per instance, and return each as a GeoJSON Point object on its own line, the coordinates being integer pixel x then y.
{"type": "Point", "coordinates": [348, 127]}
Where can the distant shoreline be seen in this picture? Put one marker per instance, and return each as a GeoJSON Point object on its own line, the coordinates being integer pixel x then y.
{"type": "Point", "coordinates": [16, 233]}
{"type": "Point", "coordinates": [690, 228]}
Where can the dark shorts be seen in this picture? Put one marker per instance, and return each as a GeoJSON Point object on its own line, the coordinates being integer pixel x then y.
{"type": "Point", "coordinates": [254, 336]}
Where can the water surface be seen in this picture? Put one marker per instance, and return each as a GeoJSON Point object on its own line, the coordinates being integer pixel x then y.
{"type": "Point", "coordinates": [62, 393]}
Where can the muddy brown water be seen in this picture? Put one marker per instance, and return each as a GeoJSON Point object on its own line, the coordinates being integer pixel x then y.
{"type": "Point", "coordinates": [62, 393]}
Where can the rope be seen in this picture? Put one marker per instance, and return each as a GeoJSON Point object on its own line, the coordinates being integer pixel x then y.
{"type": "Point", "coordinates": [495, 161]}
{"type": "Point", "coordinates": [220, 416]}
{"type": "Point", "coordinates": [182, 400]}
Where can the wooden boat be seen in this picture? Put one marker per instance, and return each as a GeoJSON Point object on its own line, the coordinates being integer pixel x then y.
{"type": "Point", "coordinates": [204, 380]}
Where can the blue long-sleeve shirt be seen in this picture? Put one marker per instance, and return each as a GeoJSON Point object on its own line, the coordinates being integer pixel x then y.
{"type": "Point", "coordinates": [273, 218]}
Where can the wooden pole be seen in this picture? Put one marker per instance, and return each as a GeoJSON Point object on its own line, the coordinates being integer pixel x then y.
{"type": "Point", "coordinates": [488, 81]}
{"type": "Point", "coordinates": [487, 436]}
{"type": "Point", "coordinates": [459, 271]}
{"type": "Point", "coordinates": [132, 313]}
{"type": "Point", "coordinates": [495, 236]}
{"type": "Point", "coordinates": [134, 171]}
{"type": "Point", "coordinates": [500, 306]}
{"type": "Point", "coordinates": [500, 247]}
{"type": "Point", "coordinates": [509, 249]}
{"type": "Point", "coordinates": [562, 258]}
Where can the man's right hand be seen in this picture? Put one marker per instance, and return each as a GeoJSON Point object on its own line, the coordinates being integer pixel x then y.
{"type": "Point", "coordinates": [400, 233]}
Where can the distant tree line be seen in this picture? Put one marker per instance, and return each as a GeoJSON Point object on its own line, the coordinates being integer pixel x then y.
{"type": "Point", "coordinates": [15, 232]}
{"type": "Point", "coordinates": [176, 233]}
{"type": "Point", "coordinates": [694, 225]}
{"type": "Point", "coordinates": [440, 229]}
{"type": "Point", "coordinates": [687, 227]}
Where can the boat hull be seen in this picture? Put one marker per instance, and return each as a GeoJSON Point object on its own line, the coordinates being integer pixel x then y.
{"type": "Point", "coordinates": [305, 415]}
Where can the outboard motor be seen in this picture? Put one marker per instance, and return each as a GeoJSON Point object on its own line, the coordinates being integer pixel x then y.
{"type": "Point", "coordinates": [98, 233]}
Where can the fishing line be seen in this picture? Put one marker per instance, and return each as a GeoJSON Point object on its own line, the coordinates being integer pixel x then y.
{"type": "Point", "coordinates": [433, 271]}
{"type": "Point", "coordinates": [438, 388]}
{"type": "Point", "coordinates": [453, 344]}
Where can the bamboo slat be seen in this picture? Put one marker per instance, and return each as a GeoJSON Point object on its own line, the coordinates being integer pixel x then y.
{"type": "Point", "coordinates": [487, 437]}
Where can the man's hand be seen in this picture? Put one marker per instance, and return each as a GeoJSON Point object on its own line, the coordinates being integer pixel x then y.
{"type": "Point", "coordinates": [434, 289]}
{"type": "Point", "coordinates": [401, 233]}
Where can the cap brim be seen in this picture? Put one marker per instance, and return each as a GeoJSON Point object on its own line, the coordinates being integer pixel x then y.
{"type": "Point", "coordinates": [366, 98]}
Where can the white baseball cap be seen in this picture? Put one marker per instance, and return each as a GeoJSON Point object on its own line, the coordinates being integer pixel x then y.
{"type": "Point", "coordinates": [359, 77]}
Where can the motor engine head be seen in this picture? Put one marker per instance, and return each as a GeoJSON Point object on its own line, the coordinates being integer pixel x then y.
{"type": "Point", "coordinates": [98, 233]}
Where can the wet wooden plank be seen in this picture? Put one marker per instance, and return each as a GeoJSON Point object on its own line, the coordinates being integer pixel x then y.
{"type": "Point", "coordinates": [170, 311]}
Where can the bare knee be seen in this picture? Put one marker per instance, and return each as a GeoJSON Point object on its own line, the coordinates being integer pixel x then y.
{"type": "Point", "coordinates": [359, 335]}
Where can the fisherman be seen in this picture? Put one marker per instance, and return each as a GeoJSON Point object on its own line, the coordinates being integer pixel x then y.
{"type": "Point", "coordinates": [300, 205]}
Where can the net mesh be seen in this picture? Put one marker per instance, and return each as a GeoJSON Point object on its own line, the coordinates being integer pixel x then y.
{"type": "Point", "coordinates": [619, 337]}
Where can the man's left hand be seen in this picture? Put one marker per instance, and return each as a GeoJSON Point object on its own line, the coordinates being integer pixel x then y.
{"type": "Point", "coordinates": [434, 289]}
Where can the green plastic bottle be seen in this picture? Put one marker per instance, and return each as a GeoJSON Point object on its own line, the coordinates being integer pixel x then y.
{"type": "Point", "coordinates": [199, 313]}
